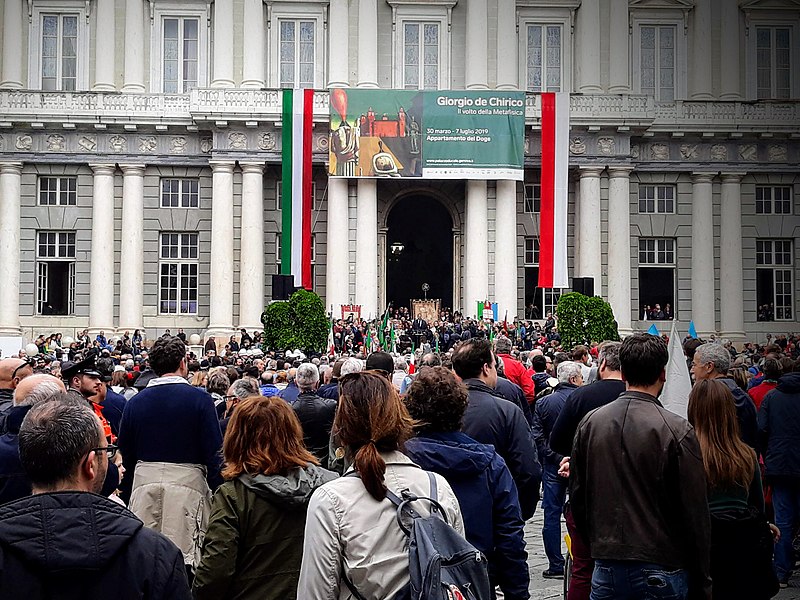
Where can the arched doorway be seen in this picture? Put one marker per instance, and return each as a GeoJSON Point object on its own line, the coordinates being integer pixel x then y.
{"type": "Point", "coordinates": [419, 249]}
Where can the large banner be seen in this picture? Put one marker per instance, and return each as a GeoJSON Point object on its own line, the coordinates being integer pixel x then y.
{"type": "Point", "coordinates": [431, 134]}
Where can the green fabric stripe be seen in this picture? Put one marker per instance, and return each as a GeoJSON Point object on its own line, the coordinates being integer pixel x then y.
{"type": "Point", "coordinates": [286, 184]}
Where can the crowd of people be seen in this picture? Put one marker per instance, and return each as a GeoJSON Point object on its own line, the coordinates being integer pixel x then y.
{"type": "Point", "coordinates": [240, 472]}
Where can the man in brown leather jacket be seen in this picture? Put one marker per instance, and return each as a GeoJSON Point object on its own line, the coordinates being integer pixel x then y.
{"type": "Point", "coordinates": [638, 488]}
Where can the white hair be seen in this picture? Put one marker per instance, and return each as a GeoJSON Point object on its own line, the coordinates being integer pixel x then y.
{"type": "Point", "coordinates": [307, 376]}
{"type": "Point", "coordinates": [351, 365]}
{"type": "Point", "coordinates": [567, 370]}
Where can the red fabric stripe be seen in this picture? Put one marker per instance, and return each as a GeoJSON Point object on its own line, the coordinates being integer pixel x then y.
{"type": "Point", "coordinates": [547, 212]}
{"type": "Point", "coordinates": [308, 117]}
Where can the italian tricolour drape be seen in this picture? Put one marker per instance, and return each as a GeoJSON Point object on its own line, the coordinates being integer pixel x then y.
{"type": "Point", "coordinates": [296, 198]}
{"type": "Point", "coordinates": [553, 212]}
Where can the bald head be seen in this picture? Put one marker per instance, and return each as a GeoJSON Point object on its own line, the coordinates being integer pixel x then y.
{"type": "Point", "coordinates": [37, 387]}
{"type": "Point", "coordinates": [12, 371]}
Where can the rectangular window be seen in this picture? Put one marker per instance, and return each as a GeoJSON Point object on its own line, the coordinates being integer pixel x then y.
{"type": "Point", "coordinates": [58, 191]}
{"type": "Point", "coordinates": [55, 272]}
{"type": "Point", "coordinates": [59, 52]}
{"type": "Point", "coordinates": [533, 198]}
{"type": "Point", "coordinates": [531, 253]}
{"type": "Point", "coordinates": [313, 260]}
{"type": "Point", "coordinates": [420, 55]}
{"type": "Point", "coordinates": [656, 251]}
{"type": "Point", "coordinates": [181, 53]}
{"type": "Point", "coordinates": [296, 63]}
{"type": "Point", "coordinates": [773, 200]}
{"type": "Point", "coordinates": [657, 199]}
{"type": "Point", "coordinates": [180, 193]}
{"type": "Point", "coordinates": [774, 267]}
{"type": "Point", "coordinates": [657, 58]}
{"type": "Point", "coordinates": [773, 62]}
{"type": "Point", "coordinates": [544, 60]}
{"type": "Point", "coordinates": [178, 270]}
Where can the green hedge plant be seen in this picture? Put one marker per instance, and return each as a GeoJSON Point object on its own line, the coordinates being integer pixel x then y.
{"type": "Point", "coordinates": [300, 323]}
{"type": "Point", "coordinates": [583, 320]}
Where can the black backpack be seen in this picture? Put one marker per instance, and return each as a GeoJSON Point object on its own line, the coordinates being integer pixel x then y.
{"type": "Point", "coordinates": [441, 563]}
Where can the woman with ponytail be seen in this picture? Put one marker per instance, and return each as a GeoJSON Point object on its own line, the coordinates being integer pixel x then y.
{"type": "Point", "coordinates": [351, 531]}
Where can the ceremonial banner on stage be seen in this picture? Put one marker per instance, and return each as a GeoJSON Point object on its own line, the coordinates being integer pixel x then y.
{"type": "Point", "coordinates": [429, 134]}
{"type": "Point", "coordinates": [427, 310]}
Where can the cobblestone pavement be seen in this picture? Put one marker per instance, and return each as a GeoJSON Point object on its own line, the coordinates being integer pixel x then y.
{"type": "Point", "coordinates": [554, 588]}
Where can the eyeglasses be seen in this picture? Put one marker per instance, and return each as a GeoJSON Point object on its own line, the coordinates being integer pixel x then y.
{"type": "Point", "coordinates": [110, 450]}
{"type": "Point", "coordinates": [22, 366]}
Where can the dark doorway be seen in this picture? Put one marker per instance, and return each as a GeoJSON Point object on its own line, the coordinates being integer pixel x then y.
{"type": "Point", "coordinates": [419, 249]}
{"type": "Point", "coordinates": [657, 287]}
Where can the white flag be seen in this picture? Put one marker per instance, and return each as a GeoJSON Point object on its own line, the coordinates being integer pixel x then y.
{"type": "Point", "coordinates": [675, 395]}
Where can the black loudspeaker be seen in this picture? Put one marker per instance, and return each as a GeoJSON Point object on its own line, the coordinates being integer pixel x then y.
{"type": "Point", "coordinates": [282, 287]}
{"type": "Point", "coordinates": [583, 285]}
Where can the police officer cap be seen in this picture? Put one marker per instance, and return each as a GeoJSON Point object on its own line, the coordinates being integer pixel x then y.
{"type": "Point", "coordinates": [85, 367]}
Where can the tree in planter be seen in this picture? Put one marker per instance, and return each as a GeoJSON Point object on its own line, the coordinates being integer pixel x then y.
{"type": "Point", "coordinates": [582, 320]}
{"type": "Point", "coordinates": [299, 323]}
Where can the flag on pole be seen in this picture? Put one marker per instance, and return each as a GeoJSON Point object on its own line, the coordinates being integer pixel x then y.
{"type": "Point", "coordinates": [368, 341]}
{"type": "Point", "coordinates": [331, 344]}
{"type": "Point", "coordinates": [692, 330]}
{"type": "Point", "coordinates": [675, 395]}
{"type": "Point", "coordinates": [392, 340]}
{"type": "Point", "coordinates": [653, 330]}
{"type": "Point", "coordinates": [382, 330]}
{"type": "Point", "coordinates": [296, 201]}
{"type": "Point", "coordinates": [553, 212]}
{"type": "Point", "coordinates": [411, 363]}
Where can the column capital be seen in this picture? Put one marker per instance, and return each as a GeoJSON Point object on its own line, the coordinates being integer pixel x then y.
{"type": "Point", "coordinates": [732, 177]}
{"type": "Point", "coordinates": [222, 166]}
{"type": "Point", "coordinates": [703, 177]}
{"type": "Point", "coordinates": [103, 169]}
{"type": "Point", "coordinates": [250, 167]}
{"type": "Point", "coordinates": [590, 170]}
{"type": "Point", "coordinates": [620, 170]}
{"type": "Point", "coordinates": [133, 169]}
{"type": "Point", "coordinates": [14, 168]}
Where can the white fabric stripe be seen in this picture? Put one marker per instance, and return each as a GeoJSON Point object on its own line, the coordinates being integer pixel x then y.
{"type": "Point", "coordinates": [560, 275]}
{"type": "Point", "coordinates": [297, 186]}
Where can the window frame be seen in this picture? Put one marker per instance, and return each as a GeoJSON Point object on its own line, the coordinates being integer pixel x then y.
{"type": "Point", "coordinates": [790, 21]}
{"type": "Point", "coordinates": [160, 10]}
{"type": "Point", "coordinates": [665, 18]}
{"type": "Point", "coordinates": [181, 182]}
{"type": "Point", "coordinates": [43, 268]}
{"type": "Point", "coordinates": [296, 11]}
{"type": "Point", "coordinates": [657, 252]}
{"type": "Point", "coordinates": [534, 198]}
{"type": "Point", "coordinates": [785, 267]}
{"type": "Point", "coordinates": [547, 14]}
{"type": "Point", "coordinates": [656, 188]}
{"type": "Point", "coordinates": [59, 179]}
{"type": "Point", "coordinates": [772, 201]}
{"type": "Point", "coordinates": [38, 10]}
{"type": "Point", "coordinates": [180, 262]}
{"type": "Point", "coordinates": [534, 251]}
{"type": "Point", "coordinates": [435, 11]}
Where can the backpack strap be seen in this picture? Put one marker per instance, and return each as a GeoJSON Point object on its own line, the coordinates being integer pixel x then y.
{"type": "Point", "coordinates": [434, 492]}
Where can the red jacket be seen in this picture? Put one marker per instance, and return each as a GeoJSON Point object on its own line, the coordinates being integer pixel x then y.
{"type": "Point", "coordinates": [517, 373]}
{"type": "Point", "coordinates": [758, 392]}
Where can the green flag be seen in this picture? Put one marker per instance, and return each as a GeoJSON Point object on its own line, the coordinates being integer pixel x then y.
{"type": "Point", "coordinates": [368, 342]}
{"type": "Point", "coordinates": [392, 340]}
{"type": "Point", "coordinates": [384, 322]}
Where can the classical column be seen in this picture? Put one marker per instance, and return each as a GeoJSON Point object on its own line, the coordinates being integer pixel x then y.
{"type": "Point", "coordinates": [101, 273]}
{"type": "Point", "coordinates": [367, 44]}
{"type": "Point", "coordinates": [701, 51]}
{"type": "Point", "coordinates": [12, 44]}
{"type": "Point", "coordinates": [507, 49]}
{"type": "Point", "coordinates": [223, 44]}
{"type": "Point", "coordinates": [253, 45]}
{"type": "Point", "coordinates": [251, 257]}
{"type": "Point", "coordinates": [731, 284]}
{"type": "Point", "coordinates": [337, 277]}
{"type": "Point", "coordinates": [9, 248]}
{"type": "Point", "coordinates": [477, 74]}
{"type": "Point", "coordinates": [476, 265]}
{"type": "Point", "coordinates": [588, 34]}
{"type": "Point", "coordinates": [134, 46]}
{"type": "Point", "coordinates": [367, 248]}
{"type": "Point", "coordinates": [589, 242]}
{"type": "Point", "coordinates": [703, 255]}
{"type": "Point", "coordinates": [220, 318]}
{"type": "Point", "coordinates": [618, 67]}
{"type": "Point", "coordinates": [104, 45]}
{"type": "Point", "coordinates": [729, 49]}
{"type": "Point", "coordinates": [505, 248]}
{"type": "Point", "coordinates": [338, 43]}
{"type": "Point", "coordinates": [131, 276]}
{"type": "Point", "coordinates": [619, 245]}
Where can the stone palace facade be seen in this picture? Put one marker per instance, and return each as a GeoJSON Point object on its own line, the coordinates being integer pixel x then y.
{"type": "Point", "coordinates": [140, 156]}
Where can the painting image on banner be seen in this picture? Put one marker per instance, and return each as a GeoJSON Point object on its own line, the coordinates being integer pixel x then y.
{"type": "Point", "coordinates": [429, 134]}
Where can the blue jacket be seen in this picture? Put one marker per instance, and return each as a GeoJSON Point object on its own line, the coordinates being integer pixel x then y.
{"type": "Point", "coordinates": [513, 393]}
{"type": "Point", "coordinates": [488, 499]}
{"type": "Point", "coordinates": [544, 419]}
{"type": "Point", "coordinates": [745, 412]}
{"type": "Point", "coordinates": [14, 482]}
{"type": "Point", "coordinates": [113, 407]}
{"type": "Point", "coordinates": [779, 428]}
{"type": "Point", "coordinates": [290, 393]}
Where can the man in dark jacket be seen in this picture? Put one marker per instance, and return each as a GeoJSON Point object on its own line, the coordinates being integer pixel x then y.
{"type": "Point", "coordinates": [95, 544]}
{"type": "Point", "coordinates": [496, 421]}
{"type": "Point", "coordinates": [779, 443]}
{"type": "Point", "coordinates": [12, 371]}
{"type": "Point", "coordinates": [638, 487]}
{"type": "Point", "coordinates": [315, 413]}
{"type": "Point", "coordinates": [554, 486]}
{"type": "Point", "coordinates": [712, 361]}
{"type": "Point", "coordinates": [331, 390]}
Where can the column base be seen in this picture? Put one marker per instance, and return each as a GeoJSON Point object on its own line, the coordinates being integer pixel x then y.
{"type": "Point", "coordinates": [730, 96]}
{"type": "Point", "coordinates": [104, 87]}
{"type": "Point", "coordinates": [619, 89]}
{"type": "Point", "coordinates": [222, 83]}
{"type": "Point", "coordinates": [253, 84]}
{"type": "Point", "coordinates": [133, 88]}
{"type": "Point", "coordinates": [702, 97]}
{"type": "Point", "coordinates": [10, 85]}
{"type": "Point", "coordinates": [591, 89]}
